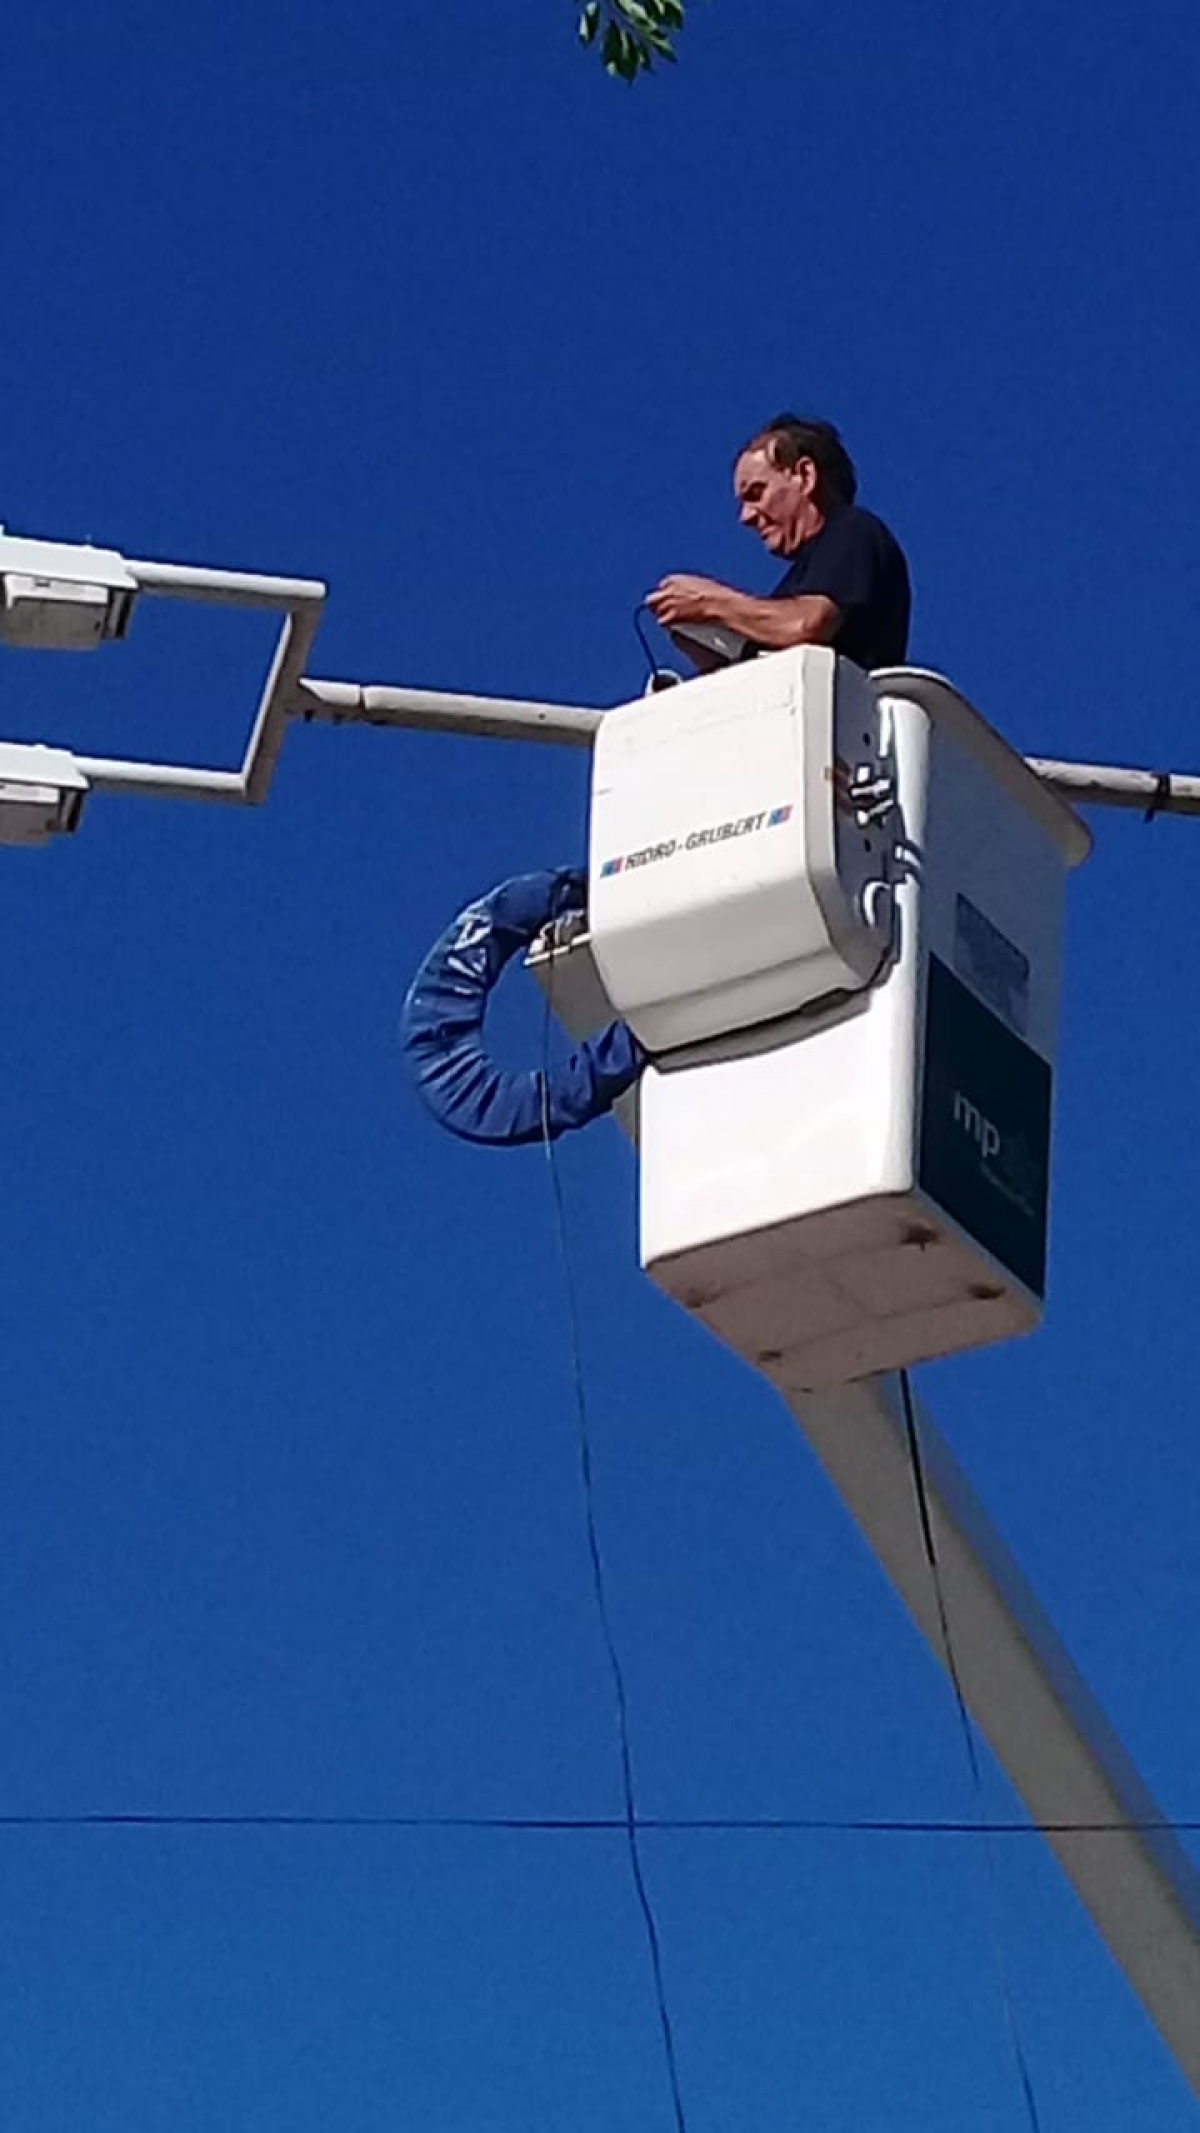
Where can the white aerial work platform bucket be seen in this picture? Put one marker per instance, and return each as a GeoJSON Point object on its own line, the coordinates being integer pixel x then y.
{"type": "Point", "coordinates": [831, 908]}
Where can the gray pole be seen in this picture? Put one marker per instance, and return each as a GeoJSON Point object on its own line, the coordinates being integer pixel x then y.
{"type": "Point", "coordinates": [574, 725]}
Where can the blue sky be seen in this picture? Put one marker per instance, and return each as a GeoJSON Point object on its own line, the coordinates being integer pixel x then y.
{"type": "Point", "coordinates": [289, 1512]}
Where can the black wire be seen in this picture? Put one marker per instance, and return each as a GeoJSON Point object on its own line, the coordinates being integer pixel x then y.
{"type": "Point", "coordinates": [640, 610]}
{"type": "Point", "coordinates": [659, 677]}
{"type": "Point", "coordinates": [599, 1587]}
{"type": "Point", "coordinates": [583, 1825]}
{"type": "Point", "coordinates": [968, 1732]}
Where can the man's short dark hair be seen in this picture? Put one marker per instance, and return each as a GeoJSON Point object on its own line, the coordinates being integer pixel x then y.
{"type": "Point", "coordinates": [790, 438]}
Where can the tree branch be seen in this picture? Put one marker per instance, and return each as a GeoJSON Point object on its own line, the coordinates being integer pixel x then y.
{"type": "Point", "coordinates": [631, 34]}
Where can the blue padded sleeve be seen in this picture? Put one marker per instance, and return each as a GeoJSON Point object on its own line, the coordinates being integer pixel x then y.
{"type": "Point", "coordinates": [443, 1026]}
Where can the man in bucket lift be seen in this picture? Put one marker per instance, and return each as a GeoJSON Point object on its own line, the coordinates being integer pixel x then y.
{"type": "Point", "coordinates": [846, 584]}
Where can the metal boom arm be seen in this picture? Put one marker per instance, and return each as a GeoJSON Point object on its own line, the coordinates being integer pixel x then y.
{"type": "Point", "coordinates": [1045, 1728]}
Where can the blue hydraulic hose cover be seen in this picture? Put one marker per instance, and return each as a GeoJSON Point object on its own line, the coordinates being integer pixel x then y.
{"type": "Point", "coordinates": [442, 1026]}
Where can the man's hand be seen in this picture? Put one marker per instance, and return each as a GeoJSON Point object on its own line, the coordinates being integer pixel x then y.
{"type": "Point", "coordinates": [772, 625]}
{"type": "Point", "coordinates": [686, 599]}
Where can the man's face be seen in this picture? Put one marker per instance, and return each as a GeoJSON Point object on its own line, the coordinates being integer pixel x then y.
{"type": "Point", "coordinates": [776, 502]}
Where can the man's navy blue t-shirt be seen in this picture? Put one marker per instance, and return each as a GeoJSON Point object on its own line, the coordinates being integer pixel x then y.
{"type": "Point", "coordinates": [859, 565]}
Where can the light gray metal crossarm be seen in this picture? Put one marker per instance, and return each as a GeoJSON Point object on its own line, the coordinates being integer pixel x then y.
{"type": "Point", "coordinates": [226, 588]}
{"type": "Point", "coordinates": [497, 718]}
{"type": "Point", "coordinates": [1152, 792]}
{"type": "Point", "coordinates": [300, 600]}
{"type": "Point", "coordinates": [574, 725]}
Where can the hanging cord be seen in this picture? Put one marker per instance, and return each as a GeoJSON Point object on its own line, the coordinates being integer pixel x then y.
{"type": "Point", "coordinates": [600, 1591]}
{"type": "Point", "coordinates": [968, 1733]}
{"type": "Point", "coordinates": [658, 677]}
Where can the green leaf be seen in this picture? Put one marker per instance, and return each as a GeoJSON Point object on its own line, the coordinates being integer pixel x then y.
{"type": "Point", "coordinates": [631, 34]}
{"type": "Point", "coordinates": [621, 52]}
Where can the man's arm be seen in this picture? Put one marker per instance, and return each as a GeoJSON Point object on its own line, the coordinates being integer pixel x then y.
{"type": "Point", "coordinates": [773, 625]}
